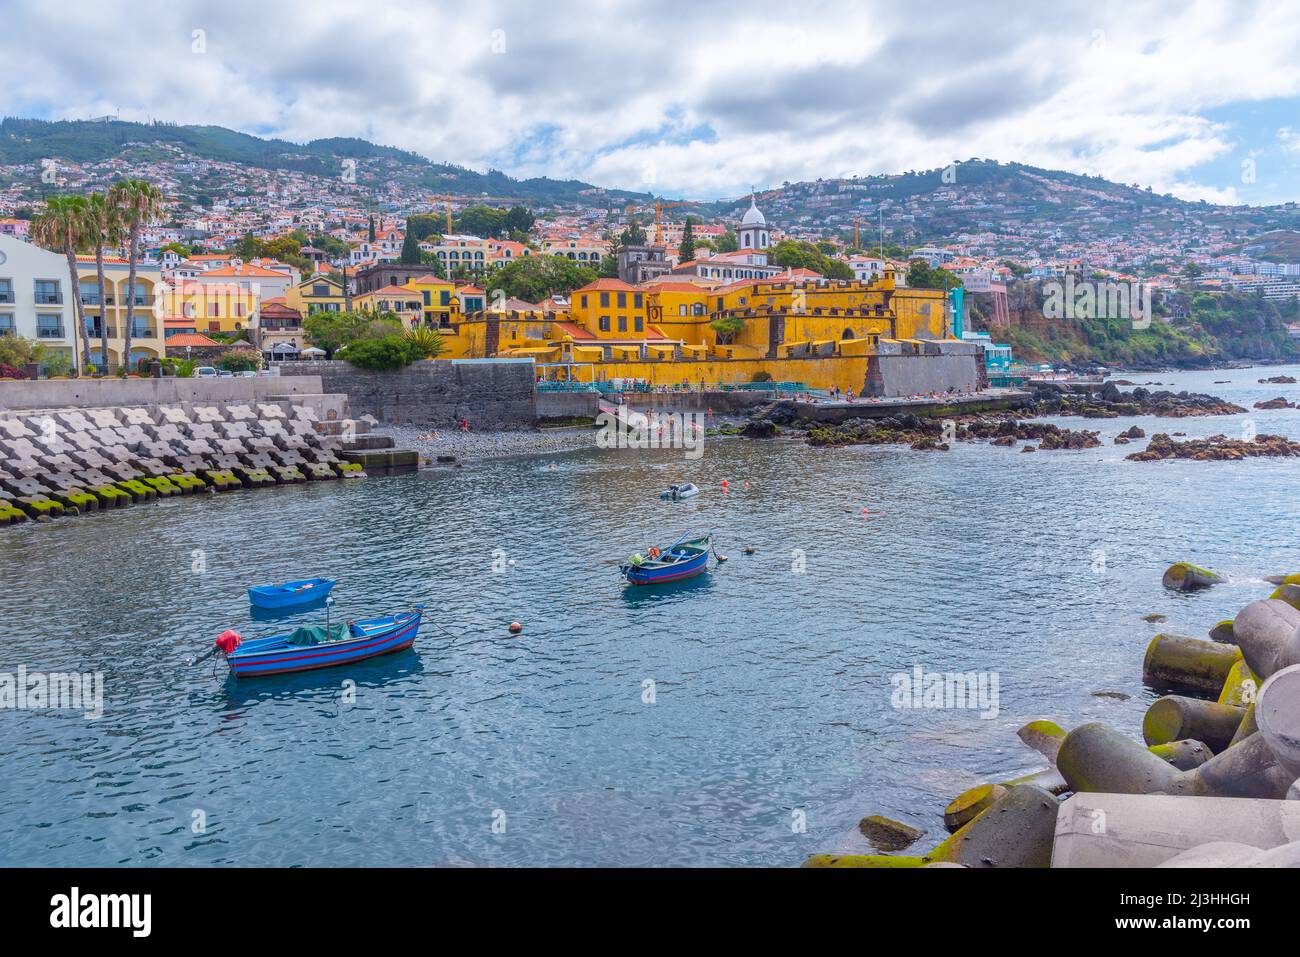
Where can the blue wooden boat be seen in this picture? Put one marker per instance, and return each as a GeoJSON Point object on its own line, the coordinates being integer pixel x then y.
{"type": "Point", "coordinates": [685, 559]}
{"type": "Point", "coordinates": [319, 646]}
{"type": "Point", "coordinates": [305, 592]}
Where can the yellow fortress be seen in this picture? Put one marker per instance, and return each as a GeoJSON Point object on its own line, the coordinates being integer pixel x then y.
{"type": "Point", "coordinates": [689, 326]}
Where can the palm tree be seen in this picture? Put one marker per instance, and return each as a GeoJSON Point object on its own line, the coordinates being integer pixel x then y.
{"type": "Point", "coordinates": [105, 230]}
{"type": "Point", "coordinates": [137, 203]}
{"type": "Point", "coordinates": [62, 228]}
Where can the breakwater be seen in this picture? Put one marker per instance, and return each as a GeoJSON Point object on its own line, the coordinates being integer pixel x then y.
{"type": "Point", "coordinates": [65, 462]}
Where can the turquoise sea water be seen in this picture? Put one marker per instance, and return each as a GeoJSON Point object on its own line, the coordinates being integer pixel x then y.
{"type": "Point", "coordinates": [743, 718]}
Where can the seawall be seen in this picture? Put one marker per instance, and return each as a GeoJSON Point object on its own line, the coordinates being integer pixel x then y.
{"type": "Point", "coordinates": [20, 394]}
{"type": "Point", "coordinates": [491, 394]}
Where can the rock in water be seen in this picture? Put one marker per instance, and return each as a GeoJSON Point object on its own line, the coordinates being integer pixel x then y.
{"type": "Point", "coordinates": [1184, 576]}
{"type": "Point", "coordinates": [886, 834]}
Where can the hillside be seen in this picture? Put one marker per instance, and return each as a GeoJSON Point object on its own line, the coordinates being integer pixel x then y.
{"type": "Point", "coordinates": [29, 142]}
{"type": "Point", "coordinates": [1004, 210]}
{"type": "Point", "coordinates": [1208, 330]}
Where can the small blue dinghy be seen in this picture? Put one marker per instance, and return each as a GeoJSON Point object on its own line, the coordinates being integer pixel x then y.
{"type": "Point", "coordinates": [684, 559]}
{"type": "Point", "coordinates": [289, 594]}
{"type": "Point", "coordinates": [309, 647]}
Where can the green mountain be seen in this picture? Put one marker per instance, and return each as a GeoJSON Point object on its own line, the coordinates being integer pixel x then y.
{"type": "Point", "coordinates": [28, 142]}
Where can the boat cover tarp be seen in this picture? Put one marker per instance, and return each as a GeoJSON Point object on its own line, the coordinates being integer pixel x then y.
{"type": "Point", "coordinates": [314, 634]}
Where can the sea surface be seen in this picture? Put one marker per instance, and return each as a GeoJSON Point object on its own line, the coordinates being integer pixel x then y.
{"type": "Point", "coordinates": [745, 718]}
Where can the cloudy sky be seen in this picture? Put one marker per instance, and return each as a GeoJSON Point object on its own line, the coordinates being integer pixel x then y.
{"type": "Point", "coordinates": [702, 99]}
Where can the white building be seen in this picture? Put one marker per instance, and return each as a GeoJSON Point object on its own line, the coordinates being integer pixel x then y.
{"type": "Point", "coordinates": [35, 296]}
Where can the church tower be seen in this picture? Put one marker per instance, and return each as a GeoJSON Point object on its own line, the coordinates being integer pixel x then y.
{"type": "Point", "coordinates": [753, 233]}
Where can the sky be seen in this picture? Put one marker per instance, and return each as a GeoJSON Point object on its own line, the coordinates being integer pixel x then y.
{"type": "Point", "coordinates": [706, 99]}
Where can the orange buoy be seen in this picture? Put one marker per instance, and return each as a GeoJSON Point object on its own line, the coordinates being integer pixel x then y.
{"type": "Point", "coordinates": [515, 628]}
{"type": "Point", "coordinates": [724, 483]}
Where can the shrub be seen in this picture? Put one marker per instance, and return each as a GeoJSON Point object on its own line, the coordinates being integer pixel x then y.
{"type": "Point", "coordinates": [59, 364]}
{"type": "Point", "coordinates": [10, 372]}
{"type": "Point", "coordinates": [425, 343]}
{"type": "Point", "coordinates": [761, 376]}
{"type": "Point", "coordinates": [390, 352]}
{"type": "Point", "coordinates": [727, 327]}
{"type": "Point", "coordinates": [240, 360]}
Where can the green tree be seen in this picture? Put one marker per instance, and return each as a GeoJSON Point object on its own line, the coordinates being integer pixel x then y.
{"type": "Point", "coordinates": [793, 254]}
{"type": "Point", "coordinates": [390, 352]}
{"type": "Point", "coordinates": [534, 278]}
{"type": "Point", "coordinates": [727, 328]}
{"type": "Point", "coordinates": [136, 203]}
{"type": "Point", "coordinates": [370, 228]}
{"type": "Point", "coordinates": [424, 225]}
{"type": "Point", "coordinates": [686, 251]}
{"type": "Point", "coordinates": [921, 275]}
{"type": "Point", "coordinates": [332, 331]}
{"type": "Point", "coordinates": [727, 242]}
{"type": "Point", "coordinates": [634, 234]}
{"type": "Point", "coordinates": [410, 251]}
{"type": "Point", "coordinates": [63, 227]}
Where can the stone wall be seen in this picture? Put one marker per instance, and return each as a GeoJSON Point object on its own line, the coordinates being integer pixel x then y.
{"type": "Point", "coordinates": [17, 394]}
{"type": "Point", "coordinates": [903, 375]}
{"type": "Point", "coordinates": [434, 393]}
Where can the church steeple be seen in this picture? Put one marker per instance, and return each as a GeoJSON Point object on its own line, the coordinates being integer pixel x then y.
{"type": "Point", "coordinates": [753, 233]}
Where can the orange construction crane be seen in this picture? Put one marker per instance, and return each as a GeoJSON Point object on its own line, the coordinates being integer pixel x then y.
{"type": "Point", "coordinates": [659, 208]}
{"type": "Point", "coordinates": [448, 200]}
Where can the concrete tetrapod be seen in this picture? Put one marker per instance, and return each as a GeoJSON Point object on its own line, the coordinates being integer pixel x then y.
{"type": "Point", "coordinates": [1230, 854]}
{"type": "Point", "coordinates": [1188, 664]}
{"type": "Point", "coordinates": [1277, 713]}
{"type": "Point", "coordinates": [1184, 576]}
{"type": "Point", "coordinates": [1015, 831]}
{"type": "Point", "coordinates": [1096, 758]}
{"type": "Point", "coordinates": [1174, 718]}
{"type": "Point", "coordinates": [1265, 631]}
{"type": "Point", "coordinates": [1145, 830]}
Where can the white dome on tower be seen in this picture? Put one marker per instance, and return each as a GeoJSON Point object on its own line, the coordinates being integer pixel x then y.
{"type": "Point", "coordinates": [753, 216]}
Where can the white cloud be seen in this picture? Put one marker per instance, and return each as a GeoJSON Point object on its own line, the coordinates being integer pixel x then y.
{"type": "Point", "coordinates": [701, 100]}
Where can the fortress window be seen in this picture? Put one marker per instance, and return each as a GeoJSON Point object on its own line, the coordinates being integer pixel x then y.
{"type": "Point", "coordinates": [604, 323]}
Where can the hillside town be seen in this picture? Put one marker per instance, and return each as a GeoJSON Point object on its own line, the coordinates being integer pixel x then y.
{"type": "Point", "coordinates": [235, 258]}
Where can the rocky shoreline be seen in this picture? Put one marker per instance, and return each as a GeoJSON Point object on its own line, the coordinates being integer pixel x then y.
{"type": "Point", "coordinates": [1212, 783]}
{"type": "Point", "coordinates": [451, 447]}
{"type": "Point", "coordinates": [1008, 429]}
{"type": "Point", "coordinates": [1217, 448]}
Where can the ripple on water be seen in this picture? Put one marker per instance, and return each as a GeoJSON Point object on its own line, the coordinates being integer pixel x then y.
{"type": "Point", "coordinates": [771, 676]}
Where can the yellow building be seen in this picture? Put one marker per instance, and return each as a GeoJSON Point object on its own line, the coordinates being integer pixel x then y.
{"type": "Point", "coordinates": [403, 301]}
{"type": "Point", "coordinates": [438, 300]}
{"type": "Point", "coordinates": [147, 327]}
{"type": "Point", "coordinates": [210, 306]}
{"type": "Point", "coordinates": [319, 293]}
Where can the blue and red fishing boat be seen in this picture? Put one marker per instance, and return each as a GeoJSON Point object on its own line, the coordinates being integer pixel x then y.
{"type": "Point", "coordinates": [685, 559]}
{"type": "Point", "coordinates": [290, 594]}
{"type": "Point", "coordinates": [319, 646]}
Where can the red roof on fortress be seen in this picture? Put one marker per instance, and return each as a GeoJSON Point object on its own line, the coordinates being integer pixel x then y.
{"type": "Point", "coordinates": [189, 339]}
{"type": "Point", "coordinates": [574, 330]}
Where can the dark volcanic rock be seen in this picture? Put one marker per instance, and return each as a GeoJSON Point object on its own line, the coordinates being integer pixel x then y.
{"type": "Point", "coordinates": [1217, 448]}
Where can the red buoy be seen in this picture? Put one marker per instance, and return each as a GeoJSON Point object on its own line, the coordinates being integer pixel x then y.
{"type": "Point", "coordinates": [515, 628]}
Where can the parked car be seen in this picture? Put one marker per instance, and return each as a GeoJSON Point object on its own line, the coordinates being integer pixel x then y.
{"type": "Point", "coordinates": [205, 372]}
{"type": "Point", "coordinates": [225, 374]}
